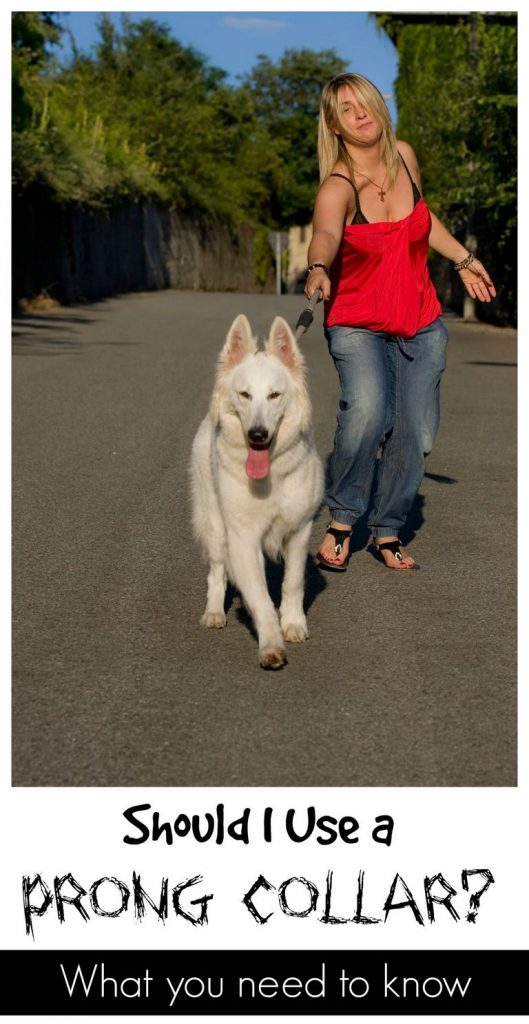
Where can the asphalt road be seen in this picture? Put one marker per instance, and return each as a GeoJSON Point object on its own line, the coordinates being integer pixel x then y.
{"type": "Point", "coordinates": [407, 679]}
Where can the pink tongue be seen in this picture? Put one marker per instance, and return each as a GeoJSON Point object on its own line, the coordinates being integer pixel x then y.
{"type": "Point", "coordinates": [257, 463]}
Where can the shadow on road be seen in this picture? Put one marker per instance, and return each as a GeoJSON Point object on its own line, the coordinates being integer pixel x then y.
{"type": "Point", "coordinates": [441, 479]}
{"type": "Point", "coordinates": [42, 319]}
{"type": "Point", "coordinates": [485, 362]}
{"type": "Point", "coordinates": [44, 333]}
{"type": "Point", "coordinates": [315, 583]}
{"type": "Point", "coordinates": [29, 345]}
{"type": "Point", "coordinates": [361, 535]}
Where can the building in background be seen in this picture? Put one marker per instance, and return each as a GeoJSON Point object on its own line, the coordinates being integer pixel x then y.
{"type": "Point", "coordinates": [298, 243]}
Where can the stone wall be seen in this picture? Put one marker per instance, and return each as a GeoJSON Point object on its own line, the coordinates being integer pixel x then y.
{"type": "Point", "coordinates": [80, 255]}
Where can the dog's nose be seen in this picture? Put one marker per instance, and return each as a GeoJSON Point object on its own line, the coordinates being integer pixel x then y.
{"type": "Point", "coordinates": [258, 435]}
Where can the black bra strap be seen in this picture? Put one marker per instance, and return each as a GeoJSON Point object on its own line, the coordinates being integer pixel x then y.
{"type": "Point", "coordinates": [415, 187]}
{"type": "Point", "coordinates": [406, 168]}
{"type": "Point", "coordinates": [336, 174]}
{"type": "Point", "coordinates": [359, 216]}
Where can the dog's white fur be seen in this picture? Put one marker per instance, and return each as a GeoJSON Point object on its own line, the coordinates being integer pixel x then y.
{"type": "Point", "coordinates": [236, 518]}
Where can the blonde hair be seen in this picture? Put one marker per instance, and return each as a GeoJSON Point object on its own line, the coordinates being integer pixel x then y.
{"type": "Point", "coordinates": [331, 147]}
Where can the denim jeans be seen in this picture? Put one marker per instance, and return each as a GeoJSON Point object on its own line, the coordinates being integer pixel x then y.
{"type": "Point", "coordinates": [390, 401]}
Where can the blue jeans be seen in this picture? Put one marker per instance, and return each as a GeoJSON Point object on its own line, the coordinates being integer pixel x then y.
{"type": "Point", "coordinates": [390, 401]}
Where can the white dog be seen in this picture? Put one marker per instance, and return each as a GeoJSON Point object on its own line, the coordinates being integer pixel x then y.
{"type": "Point", "coordinates": [257, 483]}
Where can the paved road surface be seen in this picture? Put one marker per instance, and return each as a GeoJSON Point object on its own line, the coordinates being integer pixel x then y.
{"type": "Point", "coordinates": [407, 680]}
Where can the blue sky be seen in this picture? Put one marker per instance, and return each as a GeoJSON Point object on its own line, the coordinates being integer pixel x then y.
{"type": "Point", "coordinates": [232, 40]}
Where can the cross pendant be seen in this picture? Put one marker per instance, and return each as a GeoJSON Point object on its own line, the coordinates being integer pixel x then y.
{"type": "Point", "coordinates": [381, 195]}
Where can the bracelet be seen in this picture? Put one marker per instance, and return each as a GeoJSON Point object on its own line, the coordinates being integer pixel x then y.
{"type": "Point", "coordinates": [314, 266]}
{"type": "Point", "coordinates": [463, 264]}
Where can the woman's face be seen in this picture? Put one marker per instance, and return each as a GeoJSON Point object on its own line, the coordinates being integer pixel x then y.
{"type": "Point", "coordinates": [356, 123]}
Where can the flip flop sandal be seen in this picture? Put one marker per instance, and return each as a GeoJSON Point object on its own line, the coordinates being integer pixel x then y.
{"type": "Point", "coordinates": [340, 536]}
{"type": "Point", "coordinates": [394, 546]}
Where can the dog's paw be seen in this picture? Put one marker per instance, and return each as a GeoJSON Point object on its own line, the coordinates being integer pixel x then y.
{"type": "Point", "coordinates": [272, 657]}
{"type": "Point", "coordinates": [213, 620]}
{"type": "Point", "coordinates": [295, 632]}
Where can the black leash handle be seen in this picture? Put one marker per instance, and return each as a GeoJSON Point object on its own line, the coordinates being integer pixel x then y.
{"type": "Point", "coordinates": [307, 314]}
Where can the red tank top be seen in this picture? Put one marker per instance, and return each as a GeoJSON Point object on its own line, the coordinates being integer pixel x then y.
{"type": "Point", "coordinates": [380, 279]}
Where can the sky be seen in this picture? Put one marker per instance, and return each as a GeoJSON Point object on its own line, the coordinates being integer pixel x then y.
{"type": "Point", "coordinates": [232, 40]}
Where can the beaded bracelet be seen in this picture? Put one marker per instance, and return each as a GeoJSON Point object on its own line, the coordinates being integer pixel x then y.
{"type": "Point", "coordinates": [314, 266]}
{"type": "Point", "coordinates": [463, 264]}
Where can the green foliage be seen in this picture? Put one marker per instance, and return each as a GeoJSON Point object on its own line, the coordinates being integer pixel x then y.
{"type": "Point", "coordinates": [262, 256]}
{"type": "Point", "coordinates": [147, 116]}
{"type": "Point", "coordinates": [31, 33]}
{"type": "Point", "coordinates": [287, 100]}
{"type": "Point", "coordinates": [456, 97]}
{"type": "Point", "coordinates": [75, 148]}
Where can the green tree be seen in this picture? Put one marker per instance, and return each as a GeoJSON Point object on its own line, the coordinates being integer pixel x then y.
{"type": "Point", "coordinates": [143, 115]}
{"type": "Point", "coordinates": [286, 98]}
{"type": "Point", "coordinates": [32, 33]}
{"type": "Point", "coordinates": [456, 97]}
{"type": "Point", "coordinates": [198, 134]}
{"type": "Point", "coordinates": [61, 141]}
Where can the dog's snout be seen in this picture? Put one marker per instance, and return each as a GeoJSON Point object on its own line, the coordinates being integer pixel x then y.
{"type": "Point", "coordinates": [258, 435]}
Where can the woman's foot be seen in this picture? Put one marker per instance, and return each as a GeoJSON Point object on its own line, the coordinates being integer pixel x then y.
{"type": "Point", "coordinates": [334, 549]}
{"type": "Point", "coordinates": [394, 555]}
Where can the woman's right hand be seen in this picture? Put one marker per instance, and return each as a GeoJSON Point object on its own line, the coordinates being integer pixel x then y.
{"type": "Point", "coordinates": [317, 279]}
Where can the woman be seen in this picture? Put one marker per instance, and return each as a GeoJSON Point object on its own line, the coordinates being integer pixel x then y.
{"type": "Point", "coordinates": [382, 317]}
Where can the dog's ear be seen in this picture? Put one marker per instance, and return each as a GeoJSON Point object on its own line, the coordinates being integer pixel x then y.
{"type": "Point", "coordinates": [239, 343]}
{"type": "Point", "coordinates": [282, 343]}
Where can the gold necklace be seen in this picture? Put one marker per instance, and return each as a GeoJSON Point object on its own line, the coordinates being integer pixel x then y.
{"type": "Point", "coordinates": [381, 192]}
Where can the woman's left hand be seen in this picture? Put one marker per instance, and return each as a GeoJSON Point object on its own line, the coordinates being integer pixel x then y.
{"type": "Point", "coordinates": [477, 281]}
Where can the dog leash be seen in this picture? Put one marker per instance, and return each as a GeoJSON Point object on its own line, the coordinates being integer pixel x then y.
{"type": "Point", "coordinates": [307, 315]}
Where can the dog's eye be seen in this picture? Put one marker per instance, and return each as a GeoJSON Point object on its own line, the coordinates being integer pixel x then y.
{"type": "Point", "coordinates": [275, 394]}
{"type": "Point", "coordinates": [244, 394]}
